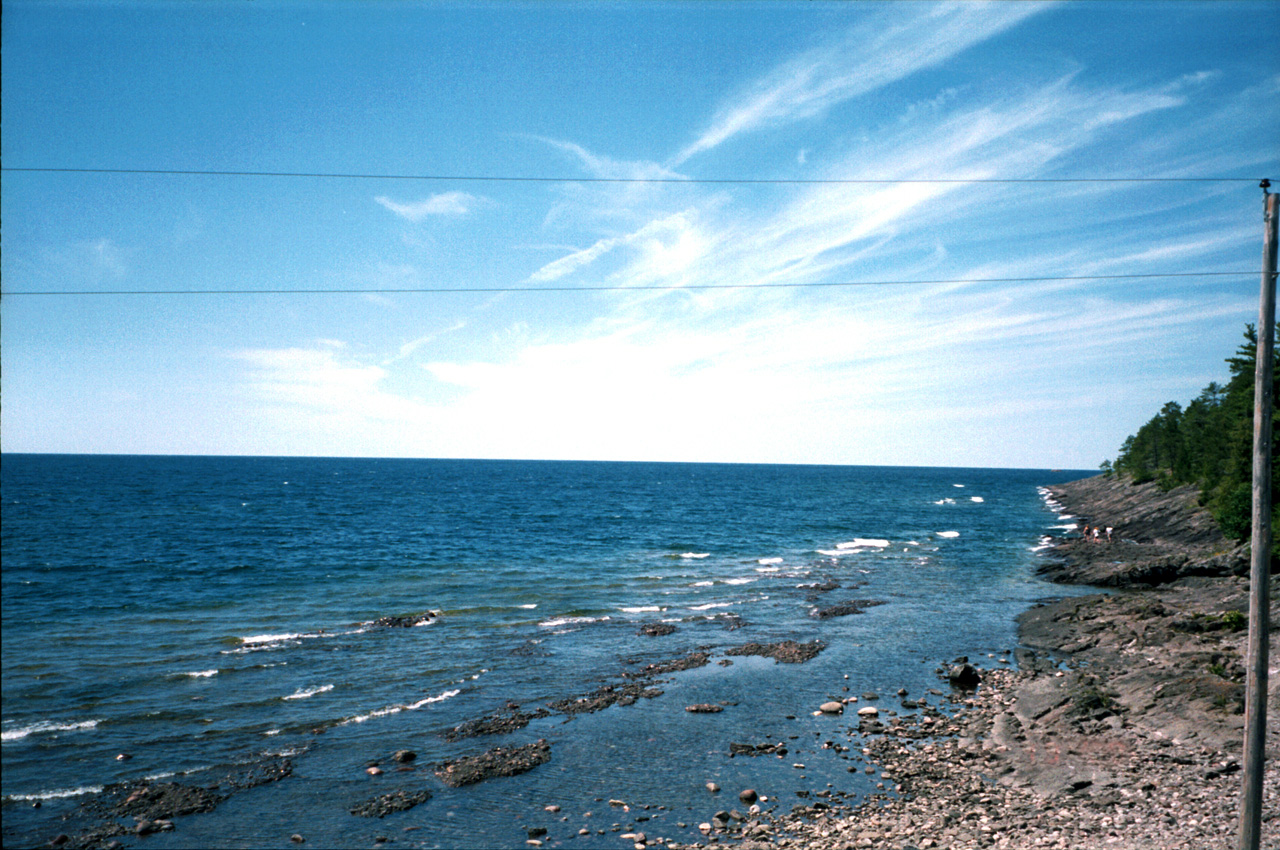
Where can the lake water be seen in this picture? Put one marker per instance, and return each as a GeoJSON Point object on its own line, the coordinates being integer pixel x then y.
{"type": "Point", "coordinates": [208, 614]}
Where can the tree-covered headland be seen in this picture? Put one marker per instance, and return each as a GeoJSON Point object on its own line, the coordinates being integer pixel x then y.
{"type": "Point", "coordinates": [1209, 444]}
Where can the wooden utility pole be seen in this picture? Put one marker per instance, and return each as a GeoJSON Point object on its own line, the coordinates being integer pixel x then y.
{"type": "Point", "coordinates": [1255, 712]}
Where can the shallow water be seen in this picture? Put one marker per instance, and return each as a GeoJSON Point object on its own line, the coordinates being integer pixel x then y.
{"type": "Point", "coordinates": [202, 613]}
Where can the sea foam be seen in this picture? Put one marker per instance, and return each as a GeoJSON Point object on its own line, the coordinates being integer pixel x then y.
{"type": "Point", "coordinates": [305, 693]}
{"type": "Point", "coordinates": [45, 726]}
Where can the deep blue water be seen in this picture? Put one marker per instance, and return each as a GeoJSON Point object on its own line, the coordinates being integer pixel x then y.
{"type": "Point", "coordinates": [202, 613]}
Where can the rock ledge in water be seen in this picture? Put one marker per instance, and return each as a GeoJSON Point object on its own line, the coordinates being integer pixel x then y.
{"type": "Point", "coordinates": [500, 761]}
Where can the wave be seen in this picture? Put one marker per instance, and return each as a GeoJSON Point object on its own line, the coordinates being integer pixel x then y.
{"type": "Point", "coordinates": [864, 543]}
{"type": "Point", "coordinates": [711, 605]}
{"type": "Point", "coordinates": [256, 643]}
{"type": "Point", "coordinates": [769, 569]}
{"type": "Point", "coordinates": [54, 795]}
{"type": "Point", "coordinates": [767, 561]}
{"type": "Point", "coordinates": [396, 709]}
{"type": "Point", "coordinates": [46, 726]}
{"type": "Point", "coordinates": [744, 580]}
{"type": "Point", "coordinates": [945, 502]}
{"type": "Point", "coordinates": [567, 621]}
{"type": "Point", "coordinates": [1046, 542]}
{"type": "Point", "coordinates": [694, 556]}
{"type": "Point", "coordinates": [641, 609]}
{"type": "Point", "coordinates": [948, 534]}
{"type": "Point", "coordinates": [976, 499]}
{"type": "Point", "coordinates": [199, 674]}
{"type": "Point", "coordinates": [703, 583]}
{"type": "Point", "coordinates": [305, 693]}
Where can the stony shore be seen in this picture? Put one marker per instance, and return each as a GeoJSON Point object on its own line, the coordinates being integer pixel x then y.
{"type": "Point", "coordinates": [1122, 725]}
{"type": "Point", "coordinates": [1117, 721]}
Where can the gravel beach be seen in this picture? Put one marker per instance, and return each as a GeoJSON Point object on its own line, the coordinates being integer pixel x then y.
{"type": "Point", "coordinates": [1121, 726]}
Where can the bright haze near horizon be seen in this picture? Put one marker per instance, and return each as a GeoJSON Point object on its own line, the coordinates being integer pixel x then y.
{"type": "Point", "coordinates": [685, 314]}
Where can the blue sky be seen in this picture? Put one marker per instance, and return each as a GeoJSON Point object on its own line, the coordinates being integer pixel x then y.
{"type": "Point", "coordinates": [632, 357]}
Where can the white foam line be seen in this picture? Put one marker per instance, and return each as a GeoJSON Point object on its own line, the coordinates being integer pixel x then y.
{"type": "Point", "coordinates": [200, 674]}
{"type": "Point", "coordinates": [565, 621]}
{"type": "Point", "coordinates": [56, 795]}
{"type": "Point", "coordinates": [695, 555]}
{"type": "Point", "coordinates": [948, 534]}
{"type": "Point", "coordinates": [302, 693]}
{"type": "Point", "coordinates": [396, 709]}
{"type": "Point", "coordinates": [45, 726]}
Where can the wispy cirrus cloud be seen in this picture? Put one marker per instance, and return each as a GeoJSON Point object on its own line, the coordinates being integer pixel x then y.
{"type": "Point", "coordinates": [873, 55]}
{"type": "Point", "coordinates": [443, 204]}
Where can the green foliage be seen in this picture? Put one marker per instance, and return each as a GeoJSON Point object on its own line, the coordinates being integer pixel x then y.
{"type": "Point", "coordinates": [1236, 621]}
{"type": "Point", "coordinates": [1209, 444]}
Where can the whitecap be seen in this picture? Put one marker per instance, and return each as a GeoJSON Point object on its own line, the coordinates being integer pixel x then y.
{"type": "Point", "coordinates": [641, 609]}
{"type": "Point", "coordinates": [695, 555]}
{"type": "Point", "coordinates": [864, 543]}
{"type": "Point", "coordinates": [767, 561]}
{"type": "Point", "coordinates": [396, 709]}
{"type": "Point", "coordinates": [945, 502]}
{"type": "Point", "coordinates": [565, 621]}
{"type": "Point", "coordinates": [740, 580]}
{"type": "Point", "coordinates": [703, 583]}
{"type": "Point", "coordinates": [200, 674]}
{"type": "Point", "coordinates": [271, 732]}
{"type": "Point", "coordinates": [976, 499]}
{"type": "Point", "coordinates": [768, 569]}
{"type": "Point", "coordinates": [530, 606]}
{"type": "Point", "coordinates": [957, 485]}
{"type": "Point", "coordinates": [252, 639]}
{"type": "Point", "coordinates": [711, 605]}
{"type": "Point", "coordinates": [305, 693]}
{"type": "Point", "coordinates": [948, 534]}
{"type": "Point", "coordinates": [45, 726]}
{"type": "Point", "coordinates": [55, 795]}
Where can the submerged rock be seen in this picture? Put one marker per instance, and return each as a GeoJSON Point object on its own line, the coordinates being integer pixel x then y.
{"type": "Point", "coordinates": [500, 761]}
{"type": "Point", "coordinates": [501, 723]}
{"type": "Point", "coordinates": [785, 652]}
{"type": "Point", "coordinates": [380, 807]}
{"type": "Point", "coordinates": [656, 629]}
{"type": "Point", "coordinates": [605, 697]}
{"type": "Point", "coordinates": [845, 609]}
{"type": "Point", "coordinates": [404, 622]}
{"type": "Point", "coordinates": [704, 708]}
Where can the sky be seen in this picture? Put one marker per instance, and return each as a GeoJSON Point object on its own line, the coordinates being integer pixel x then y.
{"type": "Point", "coordinates": [777, 232]}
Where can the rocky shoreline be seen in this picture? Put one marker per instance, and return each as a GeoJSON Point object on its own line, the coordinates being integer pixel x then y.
{"type": "Point", "coordinates": [1121, 727]}
{"type": "Point", "coordinates": [1117, 722]}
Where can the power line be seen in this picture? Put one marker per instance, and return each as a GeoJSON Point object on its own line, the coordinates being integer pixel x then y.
{"type": "Point", "coordinates": [495, 178]}
{"type": "Point", "coordinates": [488, 290]}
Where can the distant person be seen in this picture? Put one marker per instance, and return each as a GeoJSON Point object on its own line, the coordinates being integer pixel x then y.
{"type": "Point", "coordinates": [1084, 535]}
{"type": "Point", "coordinates": [1095, 534]}
{"type": "Point", "coordinates": [1108, 534]}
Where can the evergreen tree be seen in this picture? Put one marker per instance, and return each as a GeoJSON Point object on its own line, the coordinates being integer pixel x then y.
{"type": "Point", "coordinates": [1209, 444]}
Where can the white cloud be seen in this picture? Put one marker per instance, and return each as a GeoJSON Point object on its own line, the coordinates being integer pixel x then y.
{"type": "Point", "coordinates": [443, 204]}
{"type": "Point", "coordinates": [869, 57]}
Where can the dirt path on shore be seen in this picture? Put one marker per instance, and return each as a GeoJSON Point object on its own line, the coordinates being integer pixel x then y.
{"type": "Point", "coordinates": [1122, 726]}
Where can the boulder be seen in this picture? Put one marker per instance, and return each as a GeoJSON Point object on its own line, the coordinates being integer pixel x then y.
{"type": "Point", "coordinates": [832, 707]}
{"type": "Point", "coordinates": [964, 675]}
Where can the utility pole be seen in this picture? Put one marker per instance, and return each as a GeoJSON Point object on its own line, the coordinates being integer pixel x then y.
{"type": "Point", "coordinates": [1255, 712]}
